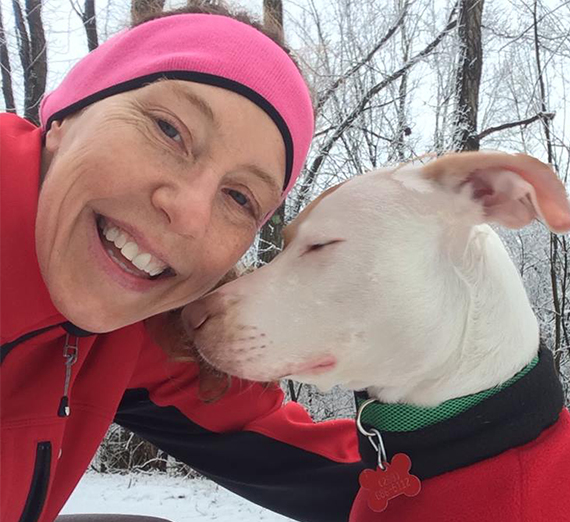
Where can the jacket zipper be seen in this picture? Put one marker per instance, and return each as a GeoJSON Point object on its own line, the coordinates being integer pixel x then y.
{"type": "Point", "coordinates": [39, 486]}
{"type": "Point", "coordinates": [70, 351]}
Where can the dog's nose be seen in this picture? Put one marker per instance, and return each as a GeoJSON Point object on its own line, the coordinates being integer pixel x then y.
{"type": "Point", "coordinates": [195, 314]}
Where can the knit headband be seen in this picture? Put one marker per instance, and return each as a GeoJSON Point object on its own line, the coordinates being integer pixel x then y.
{"type": "Point", "coordinates": [204, 48]}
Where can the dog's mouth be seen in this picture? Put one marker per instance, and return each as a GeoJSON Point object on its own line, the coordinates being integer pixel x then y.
{"type": "Point", "coordinates": [168, 331]}
{"type": "Point", "coordinates": [213, 383]}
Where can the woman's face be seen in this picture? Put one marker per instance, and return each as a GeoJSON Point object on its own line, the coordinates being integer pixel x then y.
{"type": "Point", "coordinates": [150, 197]}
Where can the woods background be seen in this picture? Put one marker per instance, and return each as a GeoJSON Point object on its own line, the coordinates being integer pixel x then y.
{"type": "Point", "coordinates": [392, 79]}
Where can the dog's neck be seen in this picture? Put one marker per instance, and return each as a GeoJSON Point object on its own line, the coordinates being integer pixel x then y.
{"type": "Point", "coordinates": [491, 331]}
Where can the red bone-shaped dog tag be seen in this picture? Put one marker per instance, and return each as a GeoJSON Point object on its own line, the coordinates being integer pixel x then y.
{"type": "Point", "coordinates": [395, 480]}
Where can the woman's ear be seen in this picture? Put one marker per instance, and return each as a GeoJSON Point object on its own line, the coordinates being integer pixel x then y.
{"type": "Point", "coordinates": [53, 136]}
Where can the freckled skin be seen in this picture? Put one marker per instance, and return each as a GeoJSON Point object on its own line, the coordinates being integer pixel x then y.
{"type": "Point", "coordinates": [113, 159]}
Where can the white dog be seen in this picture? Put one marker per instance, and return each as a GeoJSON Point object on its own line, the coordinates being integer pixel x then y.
{"type": "Point", "coordinates": [393, 282]}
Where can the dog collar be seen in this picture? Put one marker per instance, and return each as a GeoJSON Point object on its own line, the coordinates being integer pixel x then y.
{"type": "Point", "coordinates": [407, 417]}
{"type": "Point", "coordinates": [463, 431]}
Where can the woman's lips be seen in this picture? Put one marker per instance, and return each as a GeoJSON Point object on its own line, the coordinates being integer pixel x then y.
{"type": "Point", "coordinates": [132, 234]}
{"type": "Point", "coordinates": [125, 276]}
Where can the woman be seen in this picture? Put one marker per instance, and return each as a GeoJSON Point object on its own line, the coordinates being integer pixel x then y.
{"type": "Point", "coordinates": [160, 155]}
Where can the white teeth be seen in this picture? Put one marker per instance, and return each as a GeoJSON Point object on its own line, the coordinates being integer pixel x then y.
{"type": "Point", "coordinates": [131, 251]}
{"type": "Point", "coordinates": [121, 240]}
{"type": "Point", "coordinates": [153, 268]}
{"type": "Point", "coordinates": [141, 261]}
{"type": "Point", "coordinates": [111, 233]}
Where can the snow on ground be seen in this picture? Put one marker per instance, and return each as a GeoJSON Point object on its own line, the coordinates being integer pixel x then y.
{"type": "Point", "coordinates": [177, 499]}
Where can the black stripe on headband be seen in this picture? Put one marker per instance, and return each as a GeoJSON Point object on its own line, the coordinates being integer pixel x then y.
{"type": "Point", "coordinates": [198, 77]}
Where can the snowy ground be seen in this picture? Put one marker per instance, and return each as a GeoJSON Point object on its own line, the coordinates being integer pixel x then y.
{"type": "Point", "coordinates": [177, 499]}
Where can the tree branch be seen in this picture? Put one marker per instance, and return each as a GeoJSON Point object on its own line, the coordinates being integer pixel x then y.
{"type": "Point", "coordinates": [349, 120]}
{"type": "Point", "coordinates": [339, 81]}
{"type": "Point", "coordinates": [527, 121]}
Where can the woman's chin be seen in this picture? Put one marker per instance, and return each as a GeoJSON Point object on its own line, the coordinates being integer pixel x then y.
{"type": "Point", "coordinates": [91, 316]}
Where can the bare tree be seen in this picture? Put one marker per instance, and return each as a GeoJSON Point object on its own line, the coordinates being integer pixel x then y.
{"type": "Point", "coordinates": [363, 104]}
{"type": "Point", "coordinates": [89, 20]}
{"type": "Point", "coordinates": [469, 69]}
{"type": "Point", "coordinates": [402, 129]}
{"type": "Point", "coordinates": [558, 245]}
{"type": "Point", "coordinates": [33, 54]}
{"type": "Point", "coordinates": [273, 17]}
{"type": "Point", "coordinates": [271, 234]}
{"type": "Point", "coordinates": [6, 69]}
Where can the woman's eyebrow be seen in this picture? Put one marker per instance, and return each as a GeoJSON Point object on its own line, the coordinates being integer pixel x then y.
{"type": "Point", "coordinates": [195, 100]}
{"type": "Point", "coordinates": [275, 188]}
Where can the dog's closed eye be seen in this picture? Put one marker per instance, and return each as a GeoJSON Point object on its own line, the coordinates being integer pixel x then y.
{"type": "Point", "coordinates": [319, 246]}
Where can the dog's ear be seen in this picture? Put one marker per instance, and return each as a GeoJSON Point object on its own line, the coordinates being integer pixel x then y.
{"type": "Point", "coordinates": [513, 189]}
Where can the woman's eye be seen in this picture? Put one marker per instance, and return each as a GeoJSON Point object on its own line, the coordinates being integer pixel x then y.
{"type": "Point", "coordinates": [169, 130]}
{"type": "Point", "coordinates": [238, 197]}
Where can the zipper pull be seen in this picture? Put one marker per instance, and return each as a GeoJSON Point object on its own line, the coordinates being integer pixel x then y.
{"type": "Point", "coordinates": [70, 351]}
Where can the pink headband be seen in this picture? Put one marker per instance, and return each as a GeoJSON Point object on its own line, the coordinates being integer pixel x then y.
{"type": "Point", "coordinates": [204, 48]}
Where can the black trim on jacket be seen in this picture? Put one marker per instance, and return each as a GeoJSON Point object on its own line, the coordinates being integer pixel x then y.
{"type": "Point", "coordinates": [515, 416]}
{"type": "Point", "coordinates": [311, 489]}
{"type": "Point", "coordinates": [6, 348]}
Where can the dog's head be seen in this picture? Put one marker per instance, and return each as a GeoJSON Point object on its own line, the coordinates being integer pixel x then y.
{"type": "Point", "coordinates": [379, 274]}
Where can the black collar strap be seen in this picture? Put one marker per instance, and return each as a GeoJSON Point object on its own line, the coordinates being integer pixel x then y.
{"type": "Point", "coordinates": [70, 328]}
{"type": "Point", "coordinates": [512, 417]}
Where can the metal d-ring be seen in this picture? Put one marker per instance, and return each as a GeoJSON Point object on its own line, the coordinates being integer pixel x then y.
{"type": "Point", "coordinates": [359, 418]}
{"type": "Point", "coordinates": [379, 447]}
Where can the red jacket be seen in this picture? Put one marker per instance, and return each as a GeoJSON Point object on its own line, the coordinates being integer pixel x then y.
{"type": "Point", "coordinates": [248, 441]}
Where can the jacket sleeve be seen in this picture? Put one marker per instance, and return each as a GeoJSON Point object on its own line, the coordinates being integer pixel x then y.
{"type": "Point", "coordinates": [248, 441]}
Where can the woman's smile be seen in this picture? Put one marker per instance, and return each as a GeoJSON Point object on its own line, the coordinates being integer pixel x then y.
{"type": "Point", "coordinates": [140, 267]}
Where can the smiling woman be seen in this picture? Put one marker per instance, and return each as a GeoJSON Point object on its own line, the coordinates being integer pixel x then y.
{"type": "Point", "coordinates": [164, 174]}
{"type": "Point", "coordinates": [159, 157]}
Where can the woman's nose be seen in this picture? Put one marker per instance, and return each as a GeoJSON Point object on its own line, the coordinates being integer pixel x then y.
{"type": "Point", "coordinates": [187, 207]}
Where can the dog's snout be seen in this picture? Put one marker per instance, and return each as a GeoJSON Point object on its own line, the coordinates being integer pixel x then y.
{"type": "Point", "coordinates": [197, 313]}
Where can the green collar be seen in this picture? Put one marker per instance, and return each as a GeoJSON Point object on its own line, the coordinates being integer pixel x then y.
{"type": "Point", "coordinates": [407, 417]}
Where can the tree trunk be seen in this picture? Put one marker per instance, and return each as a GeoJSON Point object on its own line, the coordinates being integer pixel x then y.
{"type": "Point", "coordinates": [32, 46]}
{"type": "Point", "coordinates": [469, 69]}
{"type": "Point", "coordinates": [273, 16]}
{"type": "Point", "coordinates": [271, 240]}
{"type": "Point", "coordinates": [90, 23]}
{"type": "Point", "coordinates": [403, 129]}
{"type": "Point", "coordinates": [556, 280]}
{"type": "Point", "coordinates": [6, 69]}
